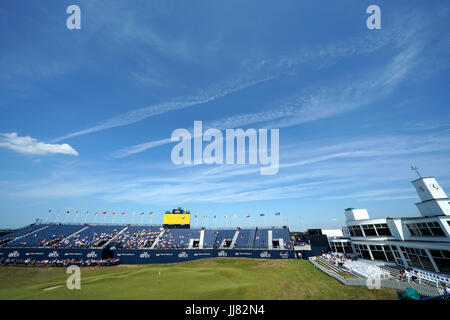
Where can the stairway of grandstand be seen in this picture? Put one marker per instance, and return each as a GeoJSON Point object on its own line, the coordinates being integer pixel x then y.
{"type": "Point", "coordinates": [145, 236]}
{"type": "Point", "coordinates": [370, 269]}
{"type": "Point", "coordinates": [394, 271]}
{"type": "Point", "coordinates": [330, 266]}
{"type": "Point", "coordinates": [364, 273]}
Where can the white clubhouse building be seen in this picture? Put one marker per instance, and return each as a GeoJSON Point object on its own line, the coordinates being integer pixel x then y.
{"type": "Point", "coordinates": [421, 242]}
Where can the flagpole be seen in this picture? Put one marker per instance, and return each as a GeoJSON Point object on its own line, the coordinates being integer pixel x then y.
{"type": "Point", "coordinates": [46, 218]}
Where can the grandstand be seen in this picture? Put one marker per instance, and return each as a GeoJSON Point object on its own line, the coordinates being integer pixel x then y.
{"type": "Point", "coordinates": [219, 238]}
{"type": "Point", "coordinates": [128, 242]}
{"type": "Point", "coordinates": [47, 235]}
{"type": "Point", "coordinates": [91, 236]}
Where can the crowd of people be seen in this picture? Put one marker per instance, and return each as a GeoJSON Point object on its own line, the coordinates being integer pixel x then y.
{"type": "Point", "coordinates": [170, 241]}
{"type": "Point", "coordinates": [338, 259]}
{"type": "Point", "coordinates": [59, 262]}
{"type": "Point", "coordinates": [133, 238]}
{"type": "Point", "coordinates": [89, 241]}
{"type": "Point", "coordinates": [410, 276]}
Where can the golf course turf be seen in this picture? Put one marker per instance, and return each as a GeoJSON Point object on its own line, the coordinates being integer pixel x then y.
{"type": "Point", "coordinates": [218, 278]}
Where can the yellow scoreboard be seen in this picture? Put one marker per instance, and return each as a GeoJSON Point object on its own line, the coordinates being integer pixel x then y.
{"type": "Point", "coordinates": [177, 218]}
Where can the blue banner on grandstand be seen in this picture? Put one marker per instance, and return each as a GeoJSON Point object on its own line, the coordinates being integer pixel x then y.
{"type": "Point", "coordinates": [50, 253]}
{"type": "Point", "coordinates": [177, 255]}
{"type": "Point", "coordinates": [140, 256]}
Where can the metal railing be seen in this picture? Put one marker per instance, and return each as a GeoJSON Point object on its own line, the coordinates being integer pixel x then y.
{"type": "Point", "coordinates": [423, 289]}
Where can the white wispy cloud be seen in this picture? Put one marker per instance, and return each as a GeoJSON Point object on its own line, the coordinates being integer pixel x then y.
{"type": "Point", "coordinates": [336, 98]}
{"type": "Point", "coordinates": [29, 145]}
{"type": "Point", "coordinates": [251, 71]}
{"type": "Point", "coordinates": [157, 109]}
{"type": "Point", "coordinates": [370, 169]}
{"type": "Point", "coordinates": [222, 124]}
{"type": "Point", "coordinates": [377, 194]}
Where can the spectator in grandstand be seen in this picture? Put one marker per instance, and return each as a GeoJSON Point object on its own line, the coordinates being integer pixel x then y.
{"type": "Point", "coordinates": [414, 277]}
{"type": "Point", "coordinates": [61, 263]}
{"type": "Point", "coordinates": [446, 289]}
{"type": "Point", "coordinates": [402, 274]}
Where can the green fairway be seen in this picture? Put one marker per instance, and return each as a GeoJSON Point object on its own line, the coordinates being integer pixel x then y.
{"type": "Point", "coordinates": [219, 278]}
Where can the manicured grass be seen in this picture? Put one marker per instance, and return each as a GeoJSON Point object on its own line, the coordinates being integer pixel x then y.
{"type": "Point", "coordinates": [219, 278]}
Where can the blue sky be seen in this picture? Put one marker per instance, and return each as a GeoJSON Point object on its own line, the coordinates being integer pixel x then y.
{"type": "Point", "coordinates": [86, 114]}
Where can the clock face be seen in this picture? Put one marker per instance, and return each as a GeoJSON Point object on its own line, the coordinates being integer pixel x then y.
{"type": "Point", "coordinates": [434, 186]}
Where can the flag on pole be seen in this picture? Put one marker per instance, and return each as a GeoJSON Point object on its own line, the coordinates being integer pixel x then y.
{"type": "Point", "coordinates": [87, 212]}
{"type": "Point", "coordinates": [205, 217]}
{"type": "Point", "coordinates": [123, 213]}
{"type": "Point", "coordinates": [150, 213]}
{"type": "Point", "coordinates": [105, 212]}
{"type": "Point", "coordinates": [248, 215]}
{"type": "Point", "coordinates": [226, 217]}
{"type": "Point", "coordinates": [113, 212]}
{"type": "Point", "coordinates": [142, 213]}
{"type": "Point", "coordinates": [195, 215]}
